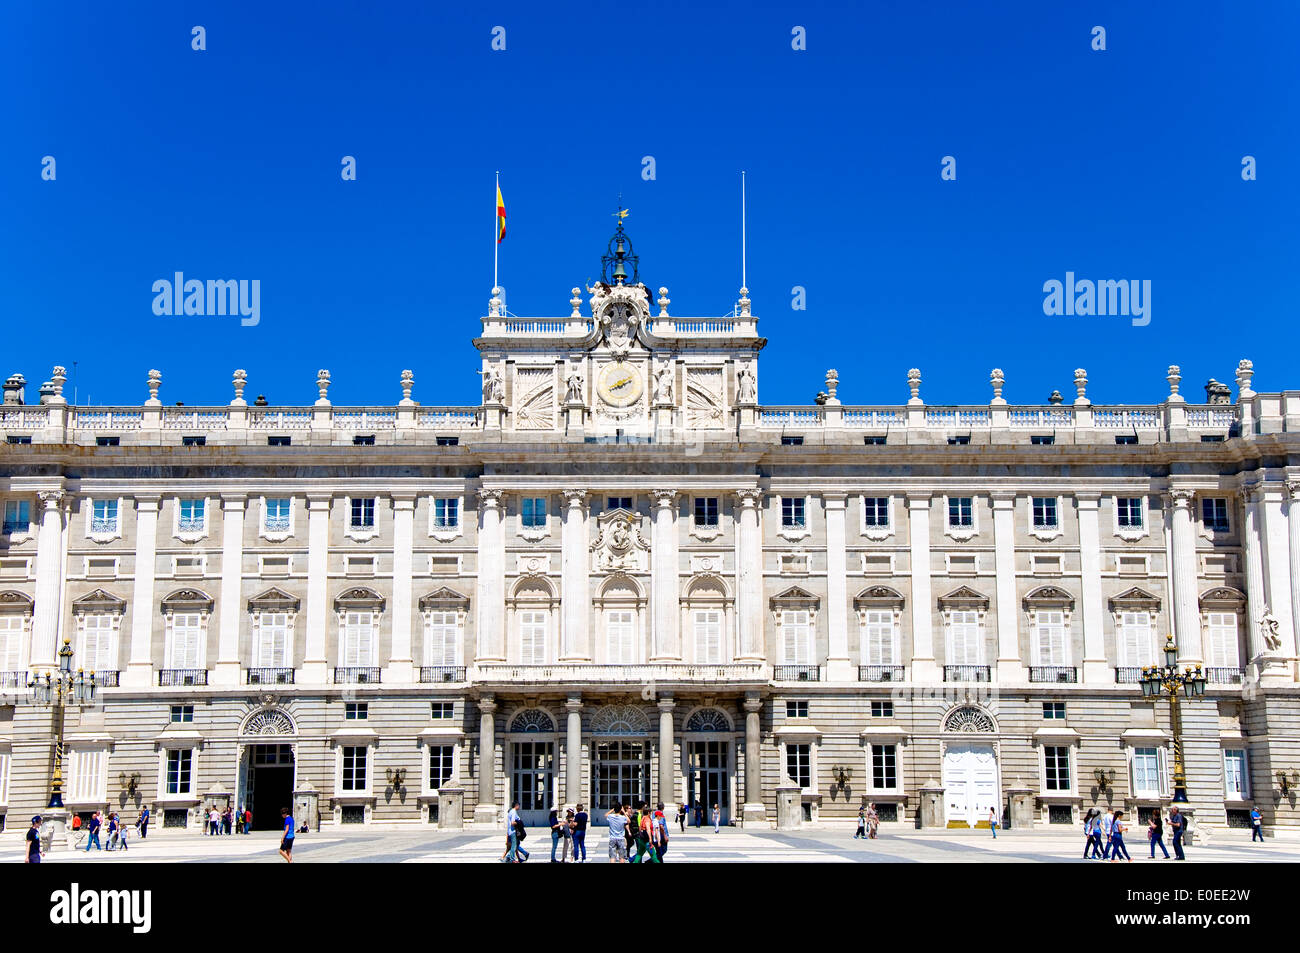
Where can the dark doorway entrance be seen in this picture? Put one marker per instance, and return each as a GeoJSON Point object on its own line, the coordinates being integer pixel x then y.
{"type": "Point", "coordinates": [269, 784]}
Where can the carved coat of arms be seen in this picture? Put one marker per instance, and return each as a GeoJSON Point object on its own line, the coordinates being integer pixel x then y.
{"type": "Point", "coordinates": [619, 544]}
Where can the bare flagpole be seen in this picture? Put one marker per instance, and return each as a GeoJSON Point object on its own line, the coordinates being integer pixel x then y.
{"type": "Point", "coordinates": [744, 283]}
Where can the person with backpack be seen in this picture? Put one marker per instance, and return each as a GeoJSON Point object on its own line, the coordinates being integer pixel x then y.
{"type": "Point", "coordinates": [662, 821]}
{"type": "Point", "coordinates": [647, 837]}
{"type": "Point", "coordinates": [515, 832]}
{"type": "Point", "coordinates": [580, 819]}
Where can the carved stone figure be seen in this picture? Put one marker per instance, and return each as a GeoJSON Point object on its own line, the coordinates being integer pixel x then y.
{"type": "Point", "coordinates": [746, 392]}
{"type": "Point", "coordinates": [494, 386]}
{"type": "Point", "coordinates": [664, 385]}
{"type": "Point", "coordinates": [573, 388]}
{"type": "Point", "coordinates": [1268, 626]}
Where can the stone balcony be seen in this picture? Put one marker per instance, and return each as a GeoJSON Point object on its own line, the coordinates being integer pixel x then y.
{"type": "Point", "coordinates": [654, 676]}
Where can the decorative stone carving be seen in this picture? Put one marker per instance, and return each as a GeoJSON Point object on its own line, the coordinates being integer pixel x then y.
{"type": "Point", "coordinates": [573, 387]}
{"type": "Point", "coordinates": [153, 383]}
{"type": "Point", "coordinates": [969, 719]}
{"type": "Point", "coordinates": [1081, 387]}
{"type": "Point", "coordinates": [534, 398]}
{"type": "Point", "coordinates": [533, 564]}
{"type": "Point", "coordinates": [664, 384]}
{"type": "Point", "coordinates": [664, 302]}
{"type": "Point", "coordinates": [532, 721]}
{"type": "Point", "coordinates": [832, 384]}
{"type": "Point", "coordinates": [407, 381]}
{"type": "Point", "coordinates": [1268, 627]}
{"type": "Point", "coordinates": [619, 543]}
{"type": "Point", "coordinates": [997, 379]}
{"type": "Point", "coordinates": [240, 381]}
{"type": "Point", "coordinates": [1245, 371]}
{"type": "Point", "coordinates": [494, 385]}
{"type": "Point", "coordinates": [914, 385]}
{"type": "Point", "coordinates": [323, 386]}
{"type": "Point", "coordinates": [704, 402]}
{"type": "Point", "coordinates": [1174, 375]}
{"type": "Point", "coordinates": [746, 387]}
{"type": "Point", "coordinates": [619, 720]}
{"type": "Point", "coordinates": [576, 303]}
{"type": "Point", "coordinates": [269, 721]}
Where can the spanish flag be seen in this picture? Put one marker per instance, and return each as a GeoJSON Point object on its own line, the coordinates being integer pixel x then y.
{"type": "Point", "coordinates": [501, 216]}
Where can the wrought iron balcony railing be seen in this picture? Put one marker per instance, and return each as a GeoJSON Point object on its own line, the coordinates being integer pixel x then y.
{"type": "Point", "coordinates": [797, 673]}
{"type": "Point", "coordinates": [1128, 674]}
{"type": "Point", "coordinates": [1053, 673]}
{"type": "Point", "coordinates": [352, 675]}
{"type": "Point", "coordinates": [880, 673]}
{"type": "Point", "coordinates": [182, 676]}
{"type": "Point", "coordinates": [1219, 675]}
{"type": "Point", "coordinates": [442, 673]}
{"type": "Point", "coordinates": [967, 673]}
{"type": "Point", "coordinates": [269, 676]}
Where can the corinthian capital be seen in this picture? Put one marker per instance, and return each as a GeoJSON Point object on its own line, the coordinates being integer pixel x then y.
{"type": "Point", "coordinates": [1180, 498]}
{"type": "Point", "coordinates": [574, 497]}
{"type": "Point", "coordinates": [51, 498]}
{"type": "Point", "coordinates": [489, 498]}
{"type": "Point", "coordinates": [1293, 490]}
{"type": "Point", "coordinates": [664, 499]}
{"type": "Point", "coordinates": [749, 497]}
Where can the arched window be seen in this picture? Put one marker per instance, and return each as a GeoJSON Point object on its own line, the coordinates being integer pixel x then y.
{"type": "Point", "coordinates": [708, 719]}
{"type": "Point", "coordinates": [705, 619]}
{"type": "Point", "coordinates": [532, 721]}
{"type": "Point", "coordinates": [968, 718]}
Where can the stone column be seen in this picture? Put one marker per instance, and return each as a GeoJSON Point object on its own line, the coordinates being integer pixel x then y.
{"type": "Point", "coordinates": [401, 662]}
{"type": "Point", "coordinates": [1096, 669]}
{"type": "Point", "coordinates": [666, 617]}
{"type": "Point", "coordinates": [49, 572]}
{"type": "Point", "coordinates": [139, 669]}
{"type": "Point", "coordinates": [924, 667]}
{"type": "Point", "coordinates": [226, 670]}
{"type": "Point", "coordinates": [490, 624]}
{"type": "Point", "coordinates": [575, 585]}
{"type": "Point", "coordinates": [749, 577]}
{"type": "Point", "coordinates": [573, 751]}
{"type": "Point", "coordinates": [754, 811]}
{"type": "Point", "coordinates": [1293, 521]}
{"type": "Point", "coordinates": [1187, 615]}
{"type": "Point", "coordinates": [1011, 667]}
{"type": "Point", "coordinates": [486, 812]}
{"type": "Point", "coordinates": [1255, 601]}
{"type": "Point", "coordinates": [667, 758]}
{"type": "Point", "coordinates": [1278, 571]}
{"type": "Point", "coordinates": [837, 596]}
{"type": "Point", "coordinates": [315, 666]}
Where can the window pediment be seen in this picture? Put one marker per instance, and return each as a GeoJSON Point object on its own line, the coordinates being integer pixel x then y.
{"type": "Point", "coordinates": [187, 600]}
{"type": "Point", "coordinates": [274, 600]}
{"type": "Point", "coordinates": [1135, 600]}
{"type": "Point", "coordinates": [878, 597]}
{"type": "Point", "coordinates": [795, 598]}
{"type": "Point", "coordinates": [1049, 597]}
{"type": "Point", "coordinates": [1223, 599]}
{"type": "Point", "coordinates": [964, 597]}
{"type": "Point", "coordinates": [706, 588]}
{"type": "Point", "coordinates": [359, 598]}
{"type": "Point", "coordinates": [444, 600]}
{"type": "Point", "coordinates": [14, 600]}
{"type": "Point", "coordinates": [99, 601]}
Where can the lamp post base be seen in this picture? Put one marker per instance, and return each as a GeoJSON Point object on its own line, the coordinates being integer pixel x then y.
{"type": "Point", "coordinates": [56, 819]}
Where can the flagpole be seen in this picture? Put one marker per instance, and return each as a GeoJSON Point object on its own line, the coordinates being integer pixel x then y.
{"type": "Point", "coordinates": [496, 231]}
{"type": "Point", "coordinates": [743, 275]}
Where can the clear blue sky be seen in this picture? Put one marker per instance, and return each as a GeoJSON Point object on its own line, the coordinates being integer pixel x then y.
{"type": "Point", "coordinates": [225, 164]}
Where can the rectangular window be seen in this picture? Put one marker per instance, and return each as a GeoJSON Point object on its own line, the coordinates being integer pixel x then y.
{"type": "Point", "coordinates": [446, 513]}
{"type": "Point", "coordinates": [89, 776]}
{"type": "Point", "coordinates": [179, 770]}
{"type": "Point", "coordinates": [276, 514]}
{"type": "Point", "coordinates": [798, 764]}
{"type": "Point", "coordinates": [1234, 774]}
{"type": "Point", "coordinates": [278, 441]}
{"type": "Point", "coordinates": [1146, 772]}
{"type": "Point", "coordinates": [875, 511]}
{"type": "Point", "coordinates": [441, 639]}
{"type": "Point", "coordinates": [1128, 512]}
{"type": "Point", "coordinates": [187, 631]}
{"type": "Point", "coordinates": [796, 709]}
{"type": "Point", "coordinates": [103, 517]}
{"type": "Point", "coordinates": [272, 649]}
{"type": "Point", "coordinates": [1214, 513]}
{"type": "Point", "coordinates": [1051, 633]}
{"type": "Point", "coordinates": [618, 503]}
{"type": "Point", "coordinates": [447, 441]}
{"type": "Point", "coordinates": [17, 516]}
{"type": "Point", "coordinates": [882, 709]}
{"type": "Point", "coordinates": [620, 629]}
{"type": "Point", "coordinates": [792, 514]}
{"type": "Point", "coordinates": [1126, 440]}
{"type": "Point", "coordinates": [1045, 512]}
{"type": "Point", "coordinates": [708, 636]}
{"type": "Point", "coordinates": [878, 637]}
{"type": "Point", "coordinates": [873, 441]}
{"type": "Point", "coordinates": [193, 514]}
{"type": "Point", "coordinates": [363, 440]}
{"type": "Point", "coordinates": [1056, 775]}
{"type": "Point", "coordinates": [791, 441]}
{"type": "Point", "coordinates": [796, 637]}
{"type": "Point", "coordinates": [356, 711]}
{"type": "Point", "coordinates": [358, 639]}
{"type": "Point", "coordinates": [1043, 440]}
{"type": "Point", "coordinates": [442, 762]}
{"type": "Point", "coordinates": [194, 441]}
{"type": "Point", "coordinates": [959, 441]}
{"type": "Point", "coordinates": [182, 713]}
{"type": "Point", "coordinates": [961, 511]}
{"type": "Point", "coordinates": [363, 513]}
{"type": "Point", "coordinates": [4, 784]}
{"type": "Point", "coordinates": [98, 644]}
{"type": "Point", "coordinates": [1222, 646]}
{"type": "Point", "coordinates": [884, 767]}
{"type": "Point", "coordinates": [706, 511]}
{"type": "Point", "coordinates": [108, 441]}
{"type": "Point", "coordinates": [532, 512]}
{"type": "Point", "coordinates": [964, 641]}
{"type": "Point", "coordinates": [440, 711]}
{"type": "Point", "coordinates": [532, 636]}
{"type": "Point", "coordinates": [1053, 710]}
{"type": "Point", "coordinates": [354, 768]}
{"type": "Point", "coordinates": [1134, 639]}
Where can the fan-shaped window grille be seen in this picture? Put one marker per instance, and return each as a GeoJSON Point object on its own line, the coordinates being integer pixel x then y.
{"type": "Point", "coordinates": [969, 719]}
{"type": "Point", "coordinates": [532, 720]}
{"type": "Point", "coordinates": [269, 722]}
{"type": "Point", "coordinates": [708, 719]}
{"type": "Point", "coordinates": [620, 720]}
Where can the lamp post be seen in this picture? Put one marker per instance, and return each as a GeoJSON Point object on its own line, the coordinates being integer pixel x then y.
{"type": "Point", "coordinates": [59, 691]}
{"type": "Point", "coordinates": [1160, 680]}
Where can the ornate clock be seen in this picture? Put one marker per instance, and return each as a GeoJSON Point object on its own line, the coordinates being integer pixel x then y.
{"type": "Point", "coordinates": [620, 384]}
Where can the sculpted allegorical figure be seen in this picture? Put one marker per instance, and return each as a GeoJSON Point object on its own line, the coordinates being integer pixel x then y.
{"type": "Point", "coordinates": [745, 390]}
{"type": "Point", "coordinates": [494, 388]}
{"type": "Point", "coordinates": [1268, 625]}
{"type": "Point", "coordinates": [573, 383]}
{"type": "Point", "coordinates": [664, 385]}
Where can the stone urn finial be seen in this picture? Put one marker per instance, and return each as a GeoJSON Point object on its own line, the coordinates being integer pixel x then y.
{"type": "Point", "coordinates": [494, 305]}
{"type": "Point", "coordinates": [832, 384]}
{"type": "Point", "coordinates": [576, 302]}
{"type": "Point", "coordinates": [323, 386]}
{"type": "Point", "coordinates": [154, 382]}
{"type": "Point", "coordinates": [664, 302]}
{"type": "Point", "coordinates": [1081, 387]}
{"type": "Point", "coordinates": [57, 380]}
{"type": "Point", "coordinates": [1173, 377]}
{"type": "Point", "coordinates": [239, 380]}
{"type": "Point", "coordinates": [407, 382]}
{"type": "Point", "coordinates": [997, 380]}
{"type": "Point", "coordinates": [743, 303]}
{"type": "Point", "coordinates": [914, 385]}
{"type": "Point", "coordinates": [1245, 371]}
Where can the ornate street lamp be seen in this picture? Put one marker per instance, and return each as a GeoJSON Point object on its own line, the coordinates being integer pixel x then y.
{"type": "Point", "coordinates": [1160, 680]}
{"type": "Point", "coordinates": [61, 690]}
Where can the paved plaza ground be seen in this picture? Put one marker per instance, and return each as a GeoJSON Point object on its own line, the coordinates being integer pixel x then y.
{"type": "Point", "coordinates": [832, 845]}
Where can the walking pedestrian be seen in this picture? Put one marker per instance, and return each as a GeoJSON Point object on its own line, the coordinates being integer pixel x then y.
{"type": "Point", "coordinates": [112, 831]}
{"type": "Point", "coordinates": [515, 833]}
{"type": "Point", "coordinates": [142, 822]}
{"type": "Point", "coordinates": [580, 819]}
{"type": "Point", "coordinates": [617, 821]}
{"type": "Point", "coordinates": [647, 837]}
{"type": "Point", "coordinates": [681, 817]}
{"type": "Point", "coordinates": [717, 818]}
{"type": "Point", "coordinates": [1107, 827]}
{"type": "Point", "coordinates": [662, 822]}
{"type": "Point", "coordinates": [873, 820]}
{"type": "Point", "coordinates": [1092, 833]}
{"type": "Point", "coordinates": [993, 822]}
{"type": "Point", "coordinates": [286, 842]}
{"type": "Point", "coordinates": [1178, 826]}
{"type": "Point", "coordinates": [1256, 825]}
{"type": "Point", "coordinates": [33, 855]}
{"type": "Point", "coordinates": [248, 820]}
{"type": "Point", "coordinates": [862, 824]}
{"type": "Point", "coordinates": [1117, 839]}
{"type": "Point", "coordinates": [1156, 832]}
{"type": "Point", "coordinates": [92, 834]}
{"type": "Point", "coordinates": [556, 822]}
{"type": "Point", "coordinates": [699, 814]}
{"type": "Point", "coordinates": [630, 828]}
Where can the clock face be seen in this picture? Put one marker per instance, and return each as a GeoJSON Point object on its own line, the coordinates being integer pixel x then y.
{"type": "Point", "coordinates": [620, 384]}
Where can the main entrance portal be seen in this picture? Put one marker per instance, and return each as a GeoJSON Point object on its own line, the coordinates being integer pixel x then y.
{"type": "Point", "coordinates": [707, 782]}
{"type": "Point", "coordinates": [532, 779]}
{"type": "Point", "coordinates": [621, 774]}
{"type": "Point", "coordinates": [970, 781]}
{"type": "Point", "coordinates": [267, 784]}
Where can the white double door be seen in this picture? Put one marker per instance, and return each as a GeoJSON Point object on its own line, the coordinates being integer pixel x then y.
{"type": "Point", "coordinates": [970, 781]}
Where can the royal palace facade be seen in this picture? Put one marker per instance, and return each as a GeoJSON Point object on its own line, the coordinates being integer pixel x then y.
{"type": "Point", "coordinates": [620, 576]}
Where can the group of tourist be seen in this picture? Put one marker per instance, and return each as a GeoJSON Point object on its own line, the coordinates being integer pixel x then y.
{"type": "Point", "coordinates": [638, 834]}
{"type": "Point", "coordinates": [228, 821]}
{"type": "Point", "coordinates": [868, 822]}
{"type": "Point", "coordinates": [111, 824]}
{"type": "Point", "coordinates": [1104, 834]}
